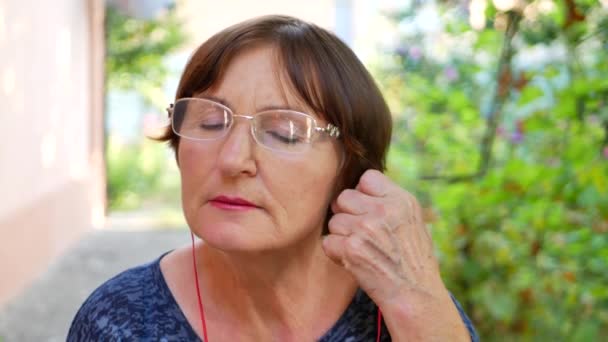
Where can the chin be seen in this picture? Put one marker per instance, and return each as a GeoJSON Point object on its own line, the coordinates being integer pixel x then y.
{"type": "Point", "coordinates": [225, 236]}
{"type": "Point", "coordinates": [233, 237]}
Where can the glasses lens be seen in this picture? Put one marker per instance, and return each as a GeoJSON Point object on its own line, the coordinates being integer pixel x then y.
{"type": "Point", "coordinates": [283, 130]}
{"type": "Point", "coordinates": [200, 119]}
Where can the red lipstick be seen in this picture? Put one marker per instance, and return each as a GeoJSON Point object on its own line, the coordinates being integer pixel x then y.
{"type": "Point", "coordinates": [232, 203]}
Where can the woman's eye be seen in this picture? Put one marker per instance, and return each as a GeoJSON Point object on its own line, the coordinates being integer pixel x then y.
{"type": "Point", "coordinates": [285, 138]}
{"type": "Point", "coordinates": [212, 121]}
{"type": "Point", "coordinates": [212, 126]}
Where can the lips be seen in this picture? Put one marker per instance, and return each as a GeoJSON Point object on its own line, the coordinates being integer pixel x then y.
{"type": "Point", "coordinates": [235, 203]}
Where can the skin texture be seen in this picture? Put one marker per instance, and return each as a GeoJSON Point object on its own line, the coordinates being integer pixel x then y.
{"type": "Point", "coordinates": [266, 274]}
{"type": "Point", "coordinates": [258, 265]}
{"type": "Point", "coordinates": [237, 166]}
{"type": "Point", "coordinates": [377, 233]}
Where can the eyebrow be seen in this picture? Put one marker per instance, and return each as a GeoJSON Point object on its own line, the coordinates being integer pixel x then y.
{"type": "Point", "coordinates": [265, 108]}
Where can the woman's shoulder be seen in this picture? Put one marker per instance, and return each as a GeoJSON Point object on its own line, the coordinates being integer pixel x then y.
{"type": "Point", "coordinates": [128, 284]}
{"type": "Point", "coordinates": [135, 304]}
{"type": "Point", "coordinates": [116, 303]}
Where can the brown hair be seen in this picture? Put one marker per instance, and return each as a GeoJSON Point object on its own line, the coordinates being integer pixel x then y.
{"type": "Point", "coordinates": [320, 69]}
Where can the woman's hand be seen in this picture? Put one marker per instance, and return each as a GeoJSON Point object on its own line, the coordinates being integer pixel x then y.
{"type": "Point", "coordinates": [378, 234]}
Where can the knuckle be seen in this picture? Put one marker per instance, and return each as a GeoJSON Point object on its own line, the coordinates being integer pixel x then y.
{"type": "Point", "coordinates": [353, 249]}
{"type": "Point", "coordinates": [344, 197]}
{"type": "Point", "coordinates": [332, 225]}
{"type": "Point", "coordinates": [336, 223]}
{"type": "Point", "coordinates": [373, 230]}
{"type": "Point", "coordinates": [368, 226]}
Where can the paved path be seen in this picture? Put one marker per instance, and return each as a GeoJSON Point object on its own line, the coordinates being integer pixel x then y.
{"type": "Point", "coordinates": [45, 310]}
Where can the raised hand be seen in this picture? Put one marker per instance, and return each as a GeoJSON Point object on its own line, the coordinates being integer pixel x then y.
{"type": "Point", "coordinates": [378, 234]}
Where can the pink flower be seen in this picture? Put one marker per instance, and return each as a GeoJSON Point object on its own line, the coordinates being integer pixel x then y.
{"type": "Point", "coordinates": [415, 53]}
{"type": "Point", "coordinates": [401, 51]}
{"type": "Point", "coordinates": [517, 137]}
{"type": "Point", "coordinates": [451, 73]}
{"type": "Point", "coordinates": [606, 152]}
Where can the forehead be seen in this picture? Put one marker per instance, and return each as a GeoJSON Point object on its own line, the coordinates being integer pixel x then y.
{"type": "Point", "coordinates": [255, 77]}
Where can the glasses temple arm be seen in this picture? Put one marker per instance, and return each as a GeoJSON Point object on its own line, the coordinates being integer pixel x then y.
{"type": "Point", "coordinates": [330, 129]}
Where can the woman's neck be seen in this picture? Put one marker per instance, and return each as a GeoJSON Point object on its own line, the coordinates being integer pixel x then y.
{"type": "Point", "coordinates": [284, 292]}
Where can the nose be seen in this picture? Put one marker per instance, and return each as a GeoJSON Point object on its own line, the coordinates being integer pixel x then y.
{"type": "Point", "coordinates": [236, 154]}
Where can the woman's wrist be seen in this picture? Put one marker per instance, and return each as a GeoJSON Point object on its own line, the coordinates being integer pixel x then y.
{"type": "Point", "coordinates": [424, 316]}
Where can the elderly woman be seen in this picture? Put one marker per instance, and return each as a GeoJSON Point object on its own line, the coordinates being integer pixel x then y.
{"type": "Point", "coordinates": [280, 135]}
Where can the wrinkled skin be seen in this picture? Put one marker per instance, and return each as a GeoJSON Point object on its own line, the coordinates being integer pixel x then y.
{"type": "Point", "coordinates": [378, 234]}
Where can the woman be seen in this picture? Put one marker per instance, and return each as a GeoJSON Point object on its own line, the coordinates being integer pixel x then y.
{"type": "Point", "coordinates": [279, 133]}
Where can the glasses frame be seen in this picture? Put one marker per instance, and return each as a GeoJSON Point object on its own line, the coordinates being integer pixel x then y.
{"type": "Point", "coordinates": [329, 129]}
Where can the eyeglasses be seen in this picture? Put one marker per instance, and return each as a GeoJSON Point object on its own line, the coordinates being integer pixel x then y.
{"type": "Point", "coordinates": [278, 129]}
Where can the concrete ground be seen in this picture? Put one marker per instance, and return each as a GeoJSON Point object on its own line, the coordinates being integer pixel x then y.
{"type": "Point", "coordinates": [44, 311]}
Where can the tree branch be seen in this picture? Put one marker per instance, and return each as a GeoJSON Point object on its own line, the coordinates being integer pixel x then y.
{"type": "Point", "coordinates": [494, 114]}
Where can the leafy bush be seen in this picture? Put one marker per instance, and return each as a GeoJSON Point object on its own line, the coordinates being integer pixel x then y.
{"type": "Point", "coordinates": [135, 51]}
{"type": "Point", "coordinates": [140, 173]}
{"type": "Point", "coordinates": [510, 159]}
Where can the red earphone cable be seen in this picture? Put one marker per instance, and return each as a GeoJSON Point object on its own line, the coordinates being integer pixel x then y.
{"type": "Point", "coordinates": [198, 292]}
{"type": "Point", "coordinates": [379, 325]}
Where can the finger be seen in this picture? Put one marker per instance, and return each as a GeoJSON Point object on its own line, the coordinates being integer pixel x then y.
{"type": "Point", "coordinates": [333, 246]}
{"type": "Point", "coordinates": [342, 224]}
{"type": "Point", "coordinates": [365, 258]}
{"type": "Point", "coordinates": [373, 229]}
{"type": "Point", "coordinates": [375, 183]}
{"type": "Point", "coordinates": [351, 201]}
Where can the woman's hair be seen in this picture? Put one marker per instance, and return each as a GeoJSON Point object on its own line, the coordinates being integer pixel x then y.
{"type": "Point", "coordinates": [320, 69]}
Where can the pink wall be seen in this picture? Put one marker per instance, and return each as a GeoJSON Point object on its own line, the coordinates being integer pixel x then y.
{"type": "Point", "coordinates": [51, 95]}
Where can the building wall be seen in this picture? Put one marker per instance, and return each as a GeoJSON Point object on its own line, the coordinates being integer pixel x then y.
{"type": "Point", "coordinates": [51, 179]}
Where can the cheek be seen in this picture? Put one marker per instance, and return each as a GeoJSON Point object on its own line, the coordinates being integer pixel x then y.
{"type": "Point", "coordinates": [194, 157]}
{"type": "Point", "coordinates": [195, 164]}
{"type": "Point", "coordinates": [304, 189]}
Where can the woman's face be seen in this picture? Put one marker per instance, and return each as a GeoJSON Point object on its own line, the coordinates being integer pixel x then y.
{"type": "Point", "coordinates": [288, 194]}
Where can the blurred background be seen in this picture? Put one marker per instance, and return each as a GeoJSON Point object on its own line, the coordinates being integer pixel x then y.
{"type": "Point", "coordinates": [501, 131]}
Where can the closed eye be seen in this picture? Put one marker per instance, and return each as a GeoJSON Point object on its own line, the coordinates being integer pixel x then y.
{"type": "Point", "coordinates": [283, 138]}
{"type": "Point", "coordinates": [212, 127]}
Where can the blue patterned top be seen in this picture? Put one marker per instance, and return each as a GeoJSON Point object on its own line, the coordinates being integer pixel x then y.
{"type": "Point", "coordinates": [137, 305]}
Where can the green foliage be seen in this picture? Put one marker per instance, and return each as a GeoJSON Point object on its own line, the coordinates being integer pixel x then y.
{"type": "Point", "coordinates": [524, 243]}
{"type": "Point", "coordinates": [135, 53]}
{"type": "Point", "coordinates": [140, 172]}
{"type": "Point", "coordinates": [135, 50]}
